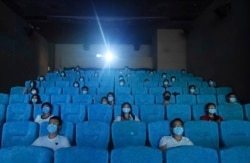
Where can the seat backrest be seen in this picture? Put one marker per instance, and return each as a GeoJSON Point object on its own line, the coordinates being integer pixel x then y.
{"type": "Point", "coordinates": [247, 111]}
{"type": "Point", "coordinates": [186, 99]}
{"type": "Point", "coordinates": [203, 133]}
{"type": "Point", "coordinates": [198, 110]}
{"type": "Point", "coordinates": [67, 130]}
{"type": "Point", "coordinates": [62, 84]}
{"type": "Point", "coordinates": [19, 133]}
{"type": "Point", "coordinates": [156, 90]}
{"type": "Point", "coordinates": [128, 133]}
{"type": "Point", "coordinates": [32, 154]}
{"type": "Point", "coordinates": [152, 113]}
{"type": "Point", "coordinates": [235, 154]}
{"type": "Point", "coordinates": [94, 134]}
{"type": "Point", "coordinates": [71, 90]}
{"type": "Point", "coordinates": [46, 84]}
{"type": "Point", "coordinates": [221, 99]}
{"type": "Point", "coordinates": [182, 111]}
{"type": "Point", "coordinates": [156, 130]}
{"type": "Point", "coordinates": [208, 90]}
{"type": "Point", "coordinates": [100, 112]}
{"type": "Point", "coordinates": [120, 99]}
{"type": "Point", "coordinates": [144, 99]}
{"type": "Point", "coordinates": [234, 133]}
{"type": "Point", "coordinates": [4, 98]}
{"type": "Point", "coordinates": [105, 90]}
{"type": "Point", "coordinates": [177, 90]}
{"type": "Point", "coordinates": [204, 98]}
{"type": "Point", "coordinates": [17, 90]}
{"type": "Point", "coordinates": [223, 90]}
{"type": "Point", "coordinates": [139, 90]}
{"type": "Point", "coordinates": [2, 114]}
{"type": "Point", "coordinates": [73, 112]}
{"type": "Point", "coordinates": [123, 90]}
{"type": "Point", "coordinates": [82, 99]}
{"type": "Point", "coordinates": [192, 154]}
{"type": "Point", "coordinates": [18, 98]}
{"type": "Point", "coordinates": [60, 99]}
{"type": "Point", "coordinates": [53, 90]}
{"type": "Point", "coordinates": [231, 111]}
{"type": "Point", "coordinates": [136, 154]}
{"type": "Point", "coordinates": [19, 112]}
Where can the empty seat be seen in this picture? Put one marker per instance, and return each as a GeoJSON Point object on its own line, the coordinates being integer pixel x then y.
{"type": "Point", "coordinates": [221, 99]}
{"type": "Point", "coordinates": [152, 113]}
{"type": "Point", "coordinates": [156, 90]}
{"type": "Point", "coordinates": [194, 154]}
{"type": "Point", "coordinates": [2, 114]}
{"type": "Point", "coordinates": [118, 111]}
{"type": "Point", "coordinates": [100, 112]}
{"type": "Point", "coordinates": [156, 130]}
{"type": "Point", "coordinates": [104, 90]}
{"type": "Point", "coordinates": [94, 134]}
{"type": "Point", "coordinates": [208, 90]}
{"type": "Point", "coordinates": [223, 90]}
{"type": "Point", "coordinates": [73, 112]}
{"type": "Point", "coordinates": [235, 154]}
{"type": "Point", "coordinates": [81, 155]}
{"type": "Point", "coordinates": [179, 84]}
{"type": "Point", "coordinates": [139, 90]}
{"type": "Point", "coordinates": [53, 90]}
{"type": "Point", "coordinates": [70, 90]}
{"type": "Point", "coordinates": [92, 83]}
{"type": "Point", "coordinates": [182, 111]}
{"type": "Point", "coordinates": [203, 133]}
{"type": "Point", "coordinates": [17, 90]}
{"type": "Point", "coordinates": [234, 133]}
{"type": "Point", "coordinates": [123, 90]}
{"type": "Point", "coordinates": [60, 99]}
{"type": "Point", "coordinates": [19, 112]}
{"type": "Point", "coordinates": [82, 99]}
{"type": "Point", "coordinates": [128, 133]}
{"type": "Point", "coordinates": [144, 99]}
{"type": "Point", "coordinates": [120, 99]}
{"type": "Point", "coordinates": [136, 154]}
{"type": "Point", "coordinates": [19, 133]}
{"type": "Point", "coordinates": [18, 98]}
{"type": "Point", "coordinates": [46, 84]}
{"type": "Point", "coordinates": [203, 99]}
{"type": "Point", "coordinates": [186, 99]}
{"type": "Point", "coordinates": [62, 84]}
{"type": "Point", "coordinates": [67, 130]}
{"type": "Point", "coordinates": [45, 97]}
{"type": "Point", "coordinates": [150, 84]}
{"type": "Point", "coordinates": [198, 110]}
{"type": "Point", "coordinates": [24, 154]}
{"type": "Point", "coordinates": [247, 111]}
{"type": "Point", "coordinates": [194, 82]}
{"type": "Point", "coordinates": [4, 98]}
{"type": "Point", "coordinates": [230, 111]}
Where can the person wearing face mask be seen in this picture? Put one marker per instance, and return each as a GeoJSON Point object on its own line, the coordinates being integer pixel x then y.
{"type": "Point", "coordinates": [41, 78]}
{"type": "Point", "coordinates": [231, 98]}
{"type": "Point", "coordinates": [46, 109]}
{"type": "Point", "coordinates": [104, 100]}
{"type": "Point", "coordinates": [35, 99]}
{"type": "Point", "coordinates": [126, 113]}
{"type": "Point", "coordinates": [63, 75]}
{"type": "Point", "coordinates": [53, 140]}
{"type": "Point", "coordinates": [81, 79]}
{"type": "Point", "coordinates": [34, 91]}
{"type": "Point", "coordinates": [211, 115]}
{"type": "Point", "coordinates": [76, 84]}
{"type": "Point", "coordinates": [164, 75]}
{"type": "Point", "coordinates": [211, 83]}
{"type": "Point", "coordinates": [166, 97]}
{"type": "Point", "coordinates": [85, 90]}
{"type": "Point", "coordinates": [32, 84]}
{"type": "Point", "coordinates": [121, 82]}
{"type": "Point", "coordinates": [192, 90]}
{"type": "Point", "coordinates": [111, 98]}
{"type": "Point", "coordinates": [173, 79]}
{"type": "Point", "coordinates": [177, 138]}
{"type": "Point", "coordinates": [166, 83]}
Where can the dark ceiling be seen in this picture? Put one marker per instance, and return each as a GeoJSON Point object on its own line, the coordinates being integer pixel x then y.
{"type": "Point", "coordinates": [119, 21]}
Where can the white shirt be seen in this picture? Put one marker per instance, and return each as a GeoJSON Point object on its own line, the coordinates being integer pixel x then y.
{"type": "Point", "coordinates": [119, 118]}
{"type": "Point", "coordinates": [40, 120]}
{"type": "Point", "coordinates": [55, 143]}
{"type": "Point", "coordinates": [171, 142]}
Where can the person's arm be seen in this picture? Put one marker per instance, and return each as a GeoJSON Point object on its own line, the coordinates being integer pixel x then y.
{"type": "Point", "coordinates": [163, 143]}
{"type": "Point", "coordinates": [37, 142]}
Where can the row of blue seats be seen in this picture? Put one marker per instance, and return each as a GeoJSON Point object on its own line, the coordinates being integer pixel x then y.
{"type": "Point", "coordinates": [133, 154]}
{"type": "Point", "coordinates": [106, 113]}
{"type": "Point", "coordinates": [99, 134]}
{"type": "Point", "coordinates": [137, 99]}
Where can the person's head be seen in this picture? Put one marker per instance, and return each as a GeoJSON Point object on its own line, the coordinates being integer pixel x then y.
{"type": "Point", "coordinates": [210, 108]}
{"type": "Point", "coordinates": [146, 80]}
{"type": "Point", "coordinates": [35, 99]}
{"type": "Point", "coordinates": [122, 82]}
{"type": "Point", "coordinates": [177, 127]}
{"type": "Point", "coordinates": [231, 97]}
{"type": "Point", "coordinates": [166, 95]}
{"type": "Point", "coordinates": [192, 89]}
{"type": "Point", "coordinates": [55, 124]}
{"type": "Point", "coordinates": [111, 97]}
{"type": "Point", "coordinates": [183, 71]}
{"type": "Point", "coordinates": [104, 100]}
{"type": "Point", "coordinates": [173, 78]}
{"type": "Point", "coordinates": [41, 78]}
{"type": "Point", "coordinates": [62, 74]}
{"type": "Point", "coordinates": [77, 68]}
{"type": "Point", "coordinates": [76, 84]}
{"type": "Point", "coordinates": [32, 83]}
{"type": "Point", "coordinates": [165, 82]}
{"type": "Point", "coordinates": [34, 91]}
{"type": "Point", "coordinates": [126, 110]}
{"type": "Point", "coordinates": [85, 90]}
{"type": "Point", "coordinates": [81, 79]}
{"type": "Point", "coordinates": [96, 74]}
{"type": "Point", "coordinates": [164, 75]}
{"type": "Point", "coordinates": [46, 108]}
{"type": "Point", "coordinates": [121, 77]}
{"type": "Point", "coordinates": [211, 83]}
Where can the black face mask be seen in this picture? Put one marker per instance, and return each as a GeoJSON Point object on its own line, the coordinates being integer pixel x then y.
{"type": "Point", "coordinates": [167, 98]}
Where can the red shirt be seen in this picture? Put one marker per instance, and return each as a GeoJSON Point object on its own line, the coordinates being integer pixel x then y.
{"type": "Point", "coordinates": [207, 118]}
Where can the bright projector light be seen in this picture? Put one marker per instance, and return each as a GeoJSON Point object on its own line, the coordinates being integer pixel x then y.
{"type": "Point", "coordinates": [109, 57]}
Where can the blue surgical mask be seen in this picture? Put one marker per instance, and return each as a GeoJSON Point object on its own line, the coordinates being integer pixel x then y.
{"type": "Point", "coordinates": [164, 76]}
{"type": "Point", "coordinates": [52, 128]}
{"type": "Point", "coordinates": [178, 131]}
{"type": "Point", "coordinates": [173, 79]}
{"type": "Point", "coordinates": [33, 92]}
{"type": "Point", "coordinates": [126, 110]}
{"type": "Point", "coordinates": [232, 100]}
{"type": "Point", "coordinates": [76, 85]}
{"type": "Point", "coordinates": [45, 110]}
{"type": "Point", "coordinates": [192, 90]}
{"type": "Point", "coordinates": [212, 111]}
{"type": "Point", "coordinates": [110, 98]}
{"type": "Point", "coordinates": [84, 92]}
{"type": "Point", "coordinates": [165, 83]}
{"type": "Point", "coordinates": [121, 83]}
{"type": "Point", "coordinates": [34, 100]}
{"type": "Point", "coordinates": [81, 79]}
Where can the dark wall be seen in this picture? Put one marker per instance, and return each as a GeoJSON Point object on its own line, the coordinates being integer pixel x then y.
{"type": "Point", "coordinates": [218, 46]}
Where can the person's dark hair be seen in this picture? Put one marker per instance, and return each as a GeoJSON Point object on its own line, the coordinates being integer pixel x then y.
{"type": "Point", "coordinates": [104, 97]}
{"type": "Point", "coordinates": [231, 93]}
{"type": "Point", "coordinates": [174, 120]}
{"type": "Point", "coordinates": [166, 92]}
{"type": "Point", "coordinates": [49, 104]}
{"type": "Point", "coordinates": [76, 82]}
{"type": "Point", "coordinates": [111, 93]}
{"type": "Point", "coordinates": [85, 87]}
{"type": "Point", "coordinates": [34, 83]}
{"type": "Point", "coordinates": [38, 99]}
{"type": "Point", "coordinates": [130, 113]}
{"type": "Point", "coordinates": [57, 118]}
{"type": "Point", "coordinates": [192, 86]}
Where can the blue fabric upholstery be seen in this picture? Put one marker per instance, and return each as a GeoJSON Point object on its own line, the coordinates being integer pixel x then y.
{"type": "Point", "coordinates": [73, 112]}
{"type": "Point", "coordinates": [235, 154]}
{"type": "Point", "coordinates": [231, 111]}
{"type": "Point", "coordinates": [182, 111]}
{"type": "Point", "coordinates": [19, 112]}
{"type": "Point", "coordinates": [100, 112]}
{"type": "Point", "coordinates": [152, 113]}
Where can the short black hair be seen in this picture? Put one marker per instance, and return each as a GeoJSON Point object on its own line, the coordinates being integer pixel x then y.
{"type": "Point", "coordinates": [208, 104]}
{"type": "Point", "coordinates": [57, 118]}
{"type": "Point", "coordinates": [166, 92]}
{"type": "Point", "coordinates": [176, 119]}
{"type": "Point", "coordinates": [47, 103]}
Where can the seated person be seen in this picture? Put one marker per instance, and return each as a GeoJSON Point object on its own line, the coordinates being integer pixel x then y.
{"type": "Point", "coordinates": [76, 84]}
{"type": "Point", "coordinates": [122, 82]}
{"type": "Point", "coordinates": [164, 75]}
{"type": "Point", "coordinates": [104, 100]}
{"type": "Point", "coordinates": [173, 79]}
{"type": "Point", "coordinates": [210, 110]}
{"type": "Point", "coordinates": [53, 140]}
{"type": "Point", "coordinates": [85, 90]}
{"type": "Point", "coordinates": [81, 79]}
{"type": "Point", "coordinates": [32, 84]}
{"type": "Point", "coordinates": [111, 98]}
{"type": "Point", "coordinates": [126, 113]}
{"type": "Point", "coordinates": [35, 99]}
{"type": "Point", "coordinates": [192, 90]}
{"type": "Point", "coordinates": [166, 97]}
{"type": "Point", "coordinates": [177, 138]}
{"type": "Point", "coordinates": [63, 75]}
{"type": "Point", "coordinates": [166, 83]}
{"type": "Point", "coordinates": [46, 113]}
{"type": "Point", "coordinates": [34, 91]}
{"type": "Point", "coordinates": [211, 83]}
{"type": "Point", "coordinates": [231, 98]}
{"type": "Point", "coordinates": [41, 78]}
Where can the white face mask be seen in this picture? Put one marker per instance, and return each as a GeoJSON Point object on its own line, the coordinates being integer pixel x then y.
{"type": "Point", "coordinates": [192, 90]}
{"type": "Point", "coordinates": [126, 110]}
{"type": "Point", "coordinates": [84, 92]}
{"type": "Point", "coordinates": [173, 79]}
{"type": "Point", "coordinates": [76, 85]}
{"type": "Point", "coordinates": [121, 83]}
{"type": "Point", "coordinates": [33, 92]}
